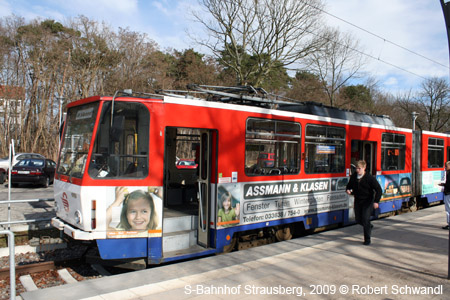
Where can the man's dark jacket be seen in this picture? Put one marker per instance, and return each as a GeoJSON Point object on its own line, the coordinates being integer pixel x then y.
{"type": "Point", "coordinates": [365, 188]}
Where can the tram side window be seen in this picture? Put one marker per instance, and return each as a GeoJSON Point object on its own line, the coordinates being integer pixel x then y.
{"type": "Point", "coordinates": [121, 150]}
{"type": "Point", "coordinates": [272, 147]}
{"type": "Point", "coordinates": [325, 149]}
{"type": "Point", "coordinates": [393, 147]}
{"type": "Point", "coordinates": [435, 153]}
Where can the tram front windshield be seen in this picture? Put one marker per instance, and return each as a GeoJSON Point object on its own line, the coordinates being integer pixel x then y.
{"type": "Point", "coordinates": [120, 147]}
{"type": "Point", "coordinates": [80, 123]}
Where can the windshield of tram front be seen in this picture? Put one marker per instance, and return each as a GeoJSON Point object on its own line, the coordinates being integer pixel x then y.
{"type": "Point", "coordinates": [121, 143]}
{"type": "Point", "coordinates": [80, 123]}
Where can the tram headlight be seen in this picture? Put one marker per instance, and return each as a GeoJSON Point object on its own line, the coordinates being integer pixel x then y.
{"type": "Point", "coordinates": [78, 217]}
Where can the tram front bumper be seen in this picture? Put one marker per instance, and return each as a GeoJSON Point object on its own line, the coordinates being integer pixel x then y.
{"type": "Point", "coordinates": [76, 233]}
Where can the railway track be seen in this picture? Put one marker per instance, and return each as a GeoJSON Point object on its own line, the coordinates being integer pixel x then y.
{"type": "Point", "coordinates": [32, 273]}
{"type": "Point", "coordinates": [36, 276]}
{"type": "Point", "coordinates": [28, 269]}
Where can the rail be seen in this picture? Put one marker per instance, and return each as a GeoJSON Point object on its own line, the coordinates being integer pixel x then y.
{"type": "Point", "coordinates": [12, 263]}
{"type": "Point", "coordinates": [11, 222]}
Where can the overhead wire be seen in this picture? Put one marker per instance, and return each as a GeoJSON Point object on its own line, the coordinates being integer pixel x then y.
{"type": "Point", "coordinates": [370, 56]}
{"type": "Point", "coordinates": [374, 34]}
{"type": "Point", "coordinates": [381, 38]}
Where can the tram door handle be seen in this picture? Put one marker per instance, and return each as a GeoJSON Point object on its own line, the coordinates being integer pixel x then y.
{"type": "Point", "coordinates": [200, 195]}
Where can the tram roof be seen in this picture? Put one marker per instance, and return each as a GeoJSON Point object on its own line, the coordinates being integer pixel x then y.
{"type": "Point", "coordinates": [314, 108]}
{"type": "Point", "coordinates": [257, 97]}
{"type": "Point", "coordinates": [250, 96]}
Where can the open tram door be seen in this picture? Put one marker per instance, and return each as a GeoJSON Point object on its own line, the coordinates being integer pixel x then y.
{"type": "Point", "coordinates": [189, 168]}
{"type": "Point", "coordinates": [364, 150]}
{"type": "Point", "coordinates": [361, 150]}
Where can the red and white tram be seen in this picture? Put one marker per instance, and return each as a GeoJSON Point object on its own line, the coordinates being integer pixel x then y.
{"type": "Point", "coordinates": [163, 178]}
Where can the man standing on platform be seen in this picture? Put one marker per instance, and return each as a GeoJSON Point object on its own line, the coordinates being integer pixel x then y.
{"type": "Point", "coordinates": [367, 192]}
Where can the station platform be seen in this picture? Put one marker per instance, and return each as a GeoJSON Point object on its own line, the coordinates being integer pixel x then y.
{"type": "Point", "coordinates": [408, 259]}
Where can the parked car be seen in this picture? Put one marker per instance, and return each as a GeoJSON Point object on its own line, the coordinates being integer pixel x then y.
{"type": "Point", "coordinates": [266, 160]}
{"type": "Point", "coordinates": [2, 175]}
{"type": "Point", "coordinates": [38, 171]}
{"type": "Point", "coordinates": [4, 162]}
{"type": "Point", "coordinates": [186, 164]}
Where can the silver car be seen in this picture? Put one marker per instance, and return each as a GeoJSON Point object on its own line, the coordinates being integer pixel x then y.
{"type": "Point", "coordinates": [4, 162]}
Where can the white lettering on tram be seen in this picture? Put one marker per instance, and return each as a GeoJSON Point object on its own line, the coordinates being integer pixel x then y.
{"type": "Point", "coordinates": [314, 186]}
{"type": "Point", "coordinates": [252, 191]}
{"type": "Point", "coordinates": [272, 189]}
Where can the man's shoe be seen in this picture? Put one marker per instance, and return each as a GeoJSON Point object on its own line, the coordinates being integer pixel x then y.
{"type": "Point", "coordinates": [445, 227]}
{"type": "Point", "coordinates": [367, 242]}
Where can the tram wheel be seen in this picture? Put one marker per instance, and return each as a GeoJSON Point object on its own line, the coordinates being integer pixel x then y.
{"type": "Point", "coordinates": [283, 234]}
{"type": "Point", "coordinates": [413, 205]}
{"type": "Point", "coordinates": [230, 247]}
{"type": "Point", "coordinates": [413, 208]}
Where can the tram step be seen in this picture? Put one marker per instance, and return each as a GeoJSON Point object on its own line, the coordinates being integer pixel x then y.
{"type": "Point", "coordinates": [181, 223]}
{"type": "Point", "coordinates": [196, 249]}
{"type": "Point", "coordinates": [176, 241]}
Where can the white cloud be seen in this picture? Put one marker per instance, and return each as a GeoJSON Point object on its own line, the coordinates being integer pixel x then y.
{"type": "Point", "coordinates": [391, 81]}
{"type": "Point", "coordinates": [160, 6]}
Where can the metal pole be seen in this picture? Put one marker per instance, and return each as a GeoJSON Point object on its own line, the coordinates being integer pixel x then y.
{"type": "Point", "coordinates": [60, 119]}
{"type": "Point", "coordinates": [446, 11]}
{"type": "Point", "coordinates": [11, 146]}
{"type": "Point", "coordinates": [12, 264]}
{"type": "Point", "coordinates": [414, 118]}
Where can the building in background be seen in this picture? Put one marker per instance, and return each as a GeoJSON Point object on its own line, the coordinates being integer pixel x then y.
{"type": "Point", "coordinates": [11, 108]}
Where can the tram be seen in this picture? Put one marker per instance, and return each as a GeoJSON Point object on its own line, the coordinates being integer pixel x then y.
{"type": "Point", "coordinates": [179, 175]}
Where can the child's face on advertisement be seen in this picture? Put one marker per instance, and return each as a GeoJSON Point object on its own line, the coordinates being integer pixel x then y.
{"type": "Point", "coordinates": [226, 203]}
{"type": "Point", "coordinates": [138, 214]}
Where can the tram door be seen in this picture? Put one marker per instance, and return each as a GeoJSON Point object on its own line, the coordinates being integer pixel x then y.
{"type": "Point", "coordinates": [369, 157]}
{"type": "Point", "coordinates": [204, 187]}
{"type": "Point", "coordinates": [364, 150]}
{"type": "Point", "coordinates": [188, 175]}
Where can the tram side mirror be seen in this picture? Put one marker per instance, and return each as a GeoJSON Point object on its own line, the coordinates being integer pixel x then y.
{"type": "Point", "coordinates": [117, 128]}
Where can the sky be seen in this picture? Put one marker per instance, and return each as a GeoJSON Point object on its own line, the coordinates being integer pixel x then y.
{"type": "Point", "coordinates": [404, 42]}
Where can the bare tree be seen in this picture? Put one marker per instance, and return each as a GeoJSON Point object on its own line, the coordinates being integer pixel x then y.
{"type": "Point", "coordinates": [130, 66]}
{"type": "Point", "coordinates": [91, 57]}
{"type": "Point", "coordinates": [254, 37]}
{"type": "Point", "coordinates": [433, 101]}
{"type": "Point", "coordinates": [41, 58]}
{"type": "Point", "coordinates": [430, 102]}
{"type": "Point", "coordinates": [336, 63]}
{"type": "Point", "coordinates": [404, 105]}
